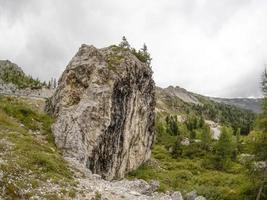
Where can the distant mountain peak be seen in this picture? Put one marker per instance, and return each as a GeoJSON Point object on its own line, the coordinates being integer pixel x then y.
{"type": "Point", "coordinates": [181, 93]}
{"type": "Point", "coordinates": [251, 104]}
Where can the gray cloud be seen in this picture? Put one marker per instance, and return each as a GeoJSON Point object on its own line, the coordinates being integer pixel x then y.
{"type": "Point", "coordinates": [211, 47]}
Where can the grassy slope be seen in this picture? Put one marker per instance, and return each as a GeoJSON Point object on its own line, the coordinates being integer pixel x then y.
{"type": "Point", "coordinates": [186, 174]}
{"type": "Point", "coordinates": [30, 165]}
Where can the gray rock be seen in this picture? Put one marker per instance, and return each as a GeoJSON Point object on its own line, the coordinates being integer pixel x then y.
{"type": "Point", "coordinates": [1, 173]}
{"type": "Point", "coordinates": [135, 193]}
{"type": "Point", "coordinates": [181, 93]}
{"type": "Point", "coordinates": [165, 197]}
{"type": "Point", "coordinates": [260, 165]}
{"type": "Point", "coordinates": [104, 107]}
{"type": "Point", "coordinates": [137, 185]}
{"type": "Point", "coordinates": [154, 185]}
{"type": "Point", "coordinates": [191, 195]}
{"type": "Point", "coordinates": [177, 196]}
{"type": "Point", "coordinates": [200, 198]}
{"type": "Point", "coordinates": [96, 177]}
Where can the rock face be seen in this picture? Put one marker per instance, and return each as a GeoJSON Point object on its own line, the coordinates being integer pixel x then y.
{"type": "Point", "coordinates": [104, 108]}
{"type": "Point", "coordinates": [179, 92]}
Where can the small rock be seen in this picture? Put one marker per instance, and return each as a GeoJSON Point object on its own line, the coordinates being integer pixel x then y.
{"type": "Point", "coordinates": [191, 195]}
{"type": "Point", "coordinates": [134, 193]}
{"type": "Point", "coordinates": [260, 165]}
{"type": "Point", "coordinates": [177, 196]}
{"type": "Point", "coordinates": [165, 197]}
{"type": "Point", "coordinates": [185, 142]}
{"type": "Point", "coordinates": [200, 198]}
{"type": "Point", "coordinates": [153, 186]}
{"type": "Point", "coordinates": [167, 192]}
{"type": "Point", "coordinates": [97, 177]}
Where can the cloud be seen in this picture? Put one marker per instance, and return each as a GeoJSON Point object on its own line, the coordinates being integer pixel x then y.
{"type": "Point", "coordinates": [216, 48]}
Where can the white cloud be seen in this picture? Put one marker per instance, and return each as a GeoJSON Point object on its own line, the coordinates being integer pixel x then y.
{"type": "Point", "coordinates": [212, 47]}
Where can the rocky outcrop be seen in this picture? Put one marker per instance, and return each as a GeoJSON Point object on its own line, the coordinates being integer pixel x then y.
{"type": "Point", "coordinates": [104, 108]}
{"type": "Point", "coordinates": [180, 93]}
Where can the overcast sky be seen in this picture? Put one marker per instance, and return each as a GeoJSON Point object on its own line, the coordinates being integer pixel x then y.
{"type": "Point", "coordinates": [212, 47]}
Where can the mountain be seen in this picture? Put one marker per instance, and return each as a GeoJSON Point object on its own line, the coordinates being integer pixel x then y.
{"type": "Point", "coordinates": [12, 77]}
{"type": "Point", "coordinates": [251, 104]}
{"type": "Point", "coordinates": [181, 93]}
{"type": "Point", "coordinates": [6, 65]}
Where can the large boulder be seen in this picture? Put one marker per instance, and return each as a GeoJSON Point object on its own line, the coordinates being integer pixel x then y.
{"type": "Point", "coordinates": [104, 108]}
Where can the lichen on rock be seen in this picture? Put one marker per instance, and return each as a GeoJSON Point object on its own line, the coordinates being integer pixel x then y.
{"type": "Point", "coordinates": [104, 108]}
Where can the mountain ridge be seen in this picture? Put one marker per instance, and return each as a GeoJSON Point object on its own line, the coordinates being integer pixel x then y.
{"type": "Point", "coordinates": [251, 104]}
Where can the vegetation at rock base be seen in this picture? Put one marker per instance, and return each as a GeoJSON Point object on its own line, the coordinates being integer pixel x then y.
{"type": "Point", "coordinates": [29, 163]}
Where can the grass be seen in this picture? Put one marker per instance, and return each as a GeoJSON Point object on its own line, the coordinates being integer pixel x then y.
{"type": "Point", "coordinates": [186, 175]}
{"type": "Point", "coordinates": [98, 196]}
{"type": "Point", "coordinates": [115, 58]}
{"type": "Point", "coordinates": [30, 159]}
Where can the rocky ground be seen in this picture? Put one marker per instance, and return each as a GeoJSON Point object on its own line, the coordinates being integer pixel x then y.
{"type": "Point", "coordinates": [92, 186]}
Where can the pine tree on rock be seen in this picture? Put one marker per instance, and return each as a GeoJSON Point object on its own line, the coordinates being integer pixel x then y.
{"type": "Point", "coordinates": [124, 43]}
{"type": "Point", "coordinates": [146, 55]}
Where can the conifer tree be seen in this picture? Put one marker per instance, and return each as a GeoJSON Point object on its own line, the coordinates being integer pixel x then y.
{"type": "Point", "coordinates": [55, 83]}
{"type": "Point", "coordinates": [124, 43]}
{"type": "Point", "coordinates": [224, 148]}
{"type": "Point", "coordinates": [206, 138]}
{"type": "Point", "coordinates": [49, 84]}
{"type": "Point", "coordinates": [177, 148]}
{"type": "Point", "coordinates": [146, 55]}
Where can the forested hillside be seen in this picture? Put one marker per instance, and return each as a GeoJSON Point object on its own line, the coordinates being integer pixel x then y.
{"type": "Point", "coordinates": [183, 103]}
{"type": "Point", "coordinates": [187, 155]}
{"type": "Point", "coordinates": [12, 74]}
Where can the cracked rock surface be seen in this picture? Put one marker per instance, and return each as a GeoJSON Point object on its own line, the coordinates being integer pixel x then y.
{"type": "Point", "coordinates": [104, 109]}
